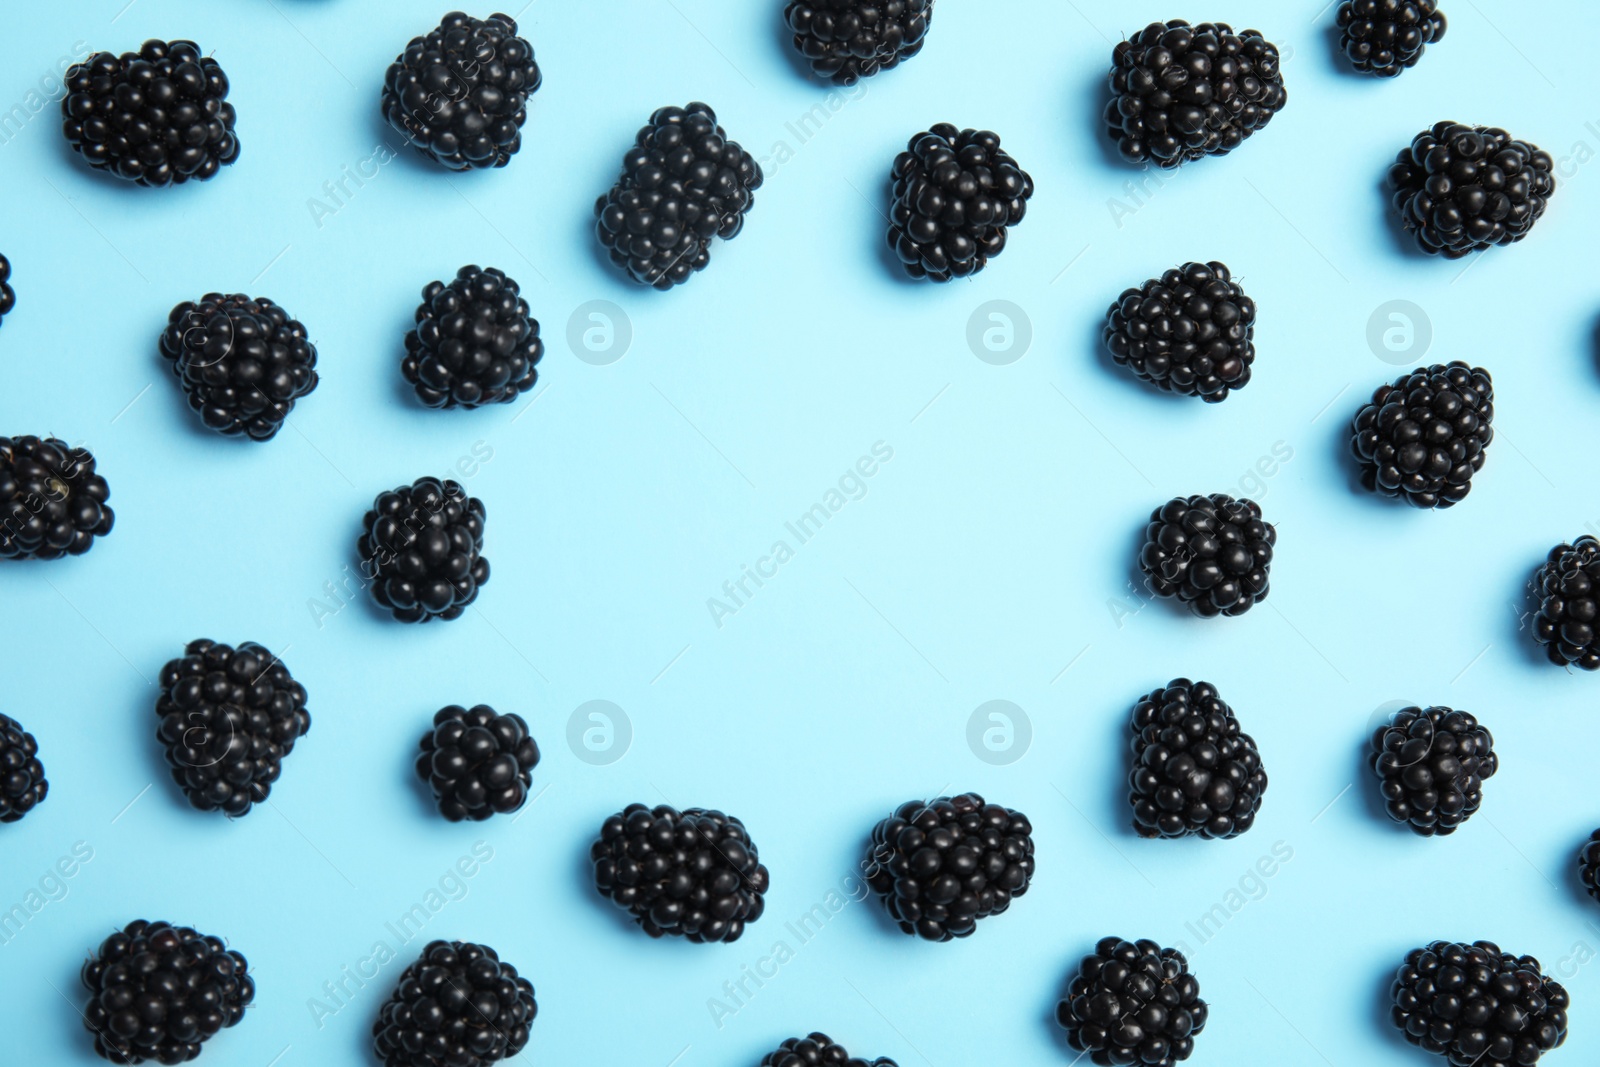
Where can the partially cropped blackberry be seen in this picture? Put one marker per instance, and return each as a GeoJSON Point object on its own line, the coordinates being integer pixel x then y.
{"type": "Point", "coordinates": [942, 865]}
{"type": "Point", "coordinates": [457, 1005]}
{"type": "Point", "coordinates": [817, 1050]}
{"type": "Point", "coordinates": [422, 550]}
{"type": "Point", "coordinates": [1384, 37]}
{"type": "Point", "coordinates": [693, 873]}
{"type": "Point", "coordinates": [52, 503]}
{"type": "Point", "coordinates": [242, 361]}
{"type": "Point", "coordinates": [1431, 764]}
{"type": "Point", "coordinates": [22, 781]}
{"type": "Point", "coordinates": [1194, 771]}
{"type": "Point", "coordinates": [1211, 552]}
{"type": "Point", "coordinates": [8, 295]}
{"type": "Point", "coordinates": [1476, 1005]}
{"type": "Point", "coordinates": [475, 342]}
{"type": "Point", "coordinates": [1189, 331]}
{"type": "Point", "coordinates": [1461, 189]}
{"type": "Point", "coordinates": [1568, 587]}
{"type": "Point", "coordinates": [956, 192]}
{"type": "Point", "coordinates": [1589, 865]}
{"type": "Point", "coordinates": [847, 40]}
{"type": "Point", "coordinates": [460, 94]}
{"type": "Point", "coordinates": [1423, 437]}
{"type": "Point", "coordinates": [158, 116]}
{"type": "Point", "coordinates": [478, 762]}
{"type": "Point", "coordinates": [1133, 1002]}
{"type": "Point", "coordinates": [159, 992]}
{"type": "Point", "coordinates": [683, 183]}
{"type": "Point", "coordinates": [1179, 92]}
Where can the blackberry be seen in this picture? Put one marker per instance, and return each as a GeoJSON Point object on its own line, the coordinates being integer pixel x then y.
{"type": "Point", "coordinates": [52, 503]}
{"type": "Point", "coordinates": [1133, 1002]}
{"type": "Point", "coordinates": [478, 762]}
{"type": "Point", "coordinates": [1461, 189]}
{"type": "Point", "coordinates": [1179, 92]}
{"type": "Point", "coordinates": [956, 192]}
{"type": "Point", "coordinates": [1423, 437]}
{"type": "Point", "coordinates": [693, 873]}
{"type": "Point", "coordinates": [1188, 331]}
{"type": "Point", "coordinates": [1477, 1005]}
{"type": "Point", "coordinates": [242, 361]}
{"type": "Point", "coordinates": [1589, 865]}
{"type": "Point", "coordinates": [1384, 37]}
{"type": "Point", "coordinates": [422, 550]}
{"type": "Point", "coordinates": [683, 183]}
{"type": "Point", "coordinates": [159, 992]}
{"type": "Point", "coordinates": [458, 1005]}
{"type": "Point", "coordinates": [22, 781]}
{"type": "Point", "coordinates": [1211, 552]}
{"type": "Point", "coordinates": [942, 865]}
{"type": "Point", "coordinates": [159, 116]}
{"type": "Point", "coordinates": [1568, 585]}
{"type": "Point", "coordinates": [847, 40]}
{"type": "Point", "coordinates": [460, 94]}
{"type": "Point", "coordinates": [1194, 771]}
{"type": "Point", "coordinates": [474, 342]}
{"type": "Point", "coordinates": [8, 295]}
{"type": "Point", "coordinates": [1431, 765]}
{"type": "Point", "coordinates": [817, 1050]}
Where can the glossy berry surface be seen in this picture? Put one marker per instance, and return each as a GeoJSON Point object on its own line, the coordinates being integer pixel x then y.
{"type": "Point", "coordinates": [242, 362]}
{"type": "Point", "coordinates": [52, 502]}
{"type": "Point", "coordinates": [1460, 189]}
{"type": "Point", "coordinates": [940, 866]}
{"type": "Point", "coordinates": [847, 40]}
{"type": "Point", "coordinates": [1474, 1004]}
{"type": "Point", "coordinates": [22, 781]}
{"type": "Point", "coordinates": [457, 1006]}
{"type": "Point", "coordinates": [694, 873]}
{"type": "Point", "coordinates": [956, 194]}
{"type": "Point", "coordinates": [158, 116]}
{"type": "Point", "coordinates": [1211, 552]}
{"type": "Point", "coordinates": [1431, 764]}
{"type": "Point", "coordinates": [1194, 771]}
{"type": "Point", "coordinates": [1589, 865]}
{"type": "Point", "coordinates": [474, 343]}
{"type": "Point", "coordinates": [1423, 436]}
{"type": "Point", "coordinates": [1133, 1002]}
{"type": "Point", "coordinates": [8, 295]}
{"type": "Point", "coordinates": [422, 550]}
{"type": "Point", "coordinates": [1568, 588]}
{"type": "Point", "coordinates": [1189, 331]}
{"type": "Point", "coordinates": [1384, 37]}
{"type": "Point", "coordinates": [478, 762]}
{"type": "Point", "coordinates": [817, 1050]}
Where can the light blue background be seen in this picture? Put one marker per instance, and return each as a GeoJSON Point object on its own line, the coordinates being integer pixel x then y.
{"type": "Point", "coordinates": [988, 560]}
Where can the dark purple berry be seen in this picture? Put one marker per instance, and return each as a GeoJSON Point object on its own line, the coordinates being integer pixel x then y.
{"type": "Point", "coordinates": [242, 361]}
{"type": "Point", "coordinates": [956, 193]}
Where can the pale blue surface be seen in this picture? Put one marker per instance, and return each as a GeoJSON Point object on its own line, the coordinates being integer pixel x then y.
{"type": "Point", "coordinates": [988, 554]}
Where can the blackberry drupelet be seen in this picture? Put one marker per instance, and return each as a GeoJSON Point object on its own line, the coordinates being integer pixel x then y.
{"type": "Point", "coordinates": [242, 361]}
{"type": "Point", "coordinates": [693, 873]}
{"type": "Point", "coordinates": [474, 343]}
{"type": "Point", "coordinates": [457, 1005]}
{"type": "Point", "coordinates": [22, 782]}
{"type": "Point", "coordinates": [158, 116]}
{"type": "Point", "coordinates": [1589, 865]}
{"type": "Point", "coordinates": [159, 992]}
{"type": "Point", "coordinates": [460, 94]}
{"type": "Point", "coordinates": [479, 763]}
{"type": "Point", "coordinates": [8, 295]}
{"type": "Point", "coordinates": [1477, 1005]}
{"type": "Point", "coordinates": [956, 193]}
{"type": "Point", "coordinates": [847, 40]}
{"type": "Point", "coordinates": [1133, 1002]}
{"type": "Point", "coordinates": [1189, 331]}
{"type": "Point", "coordinates": [1179, 92]}
{"type": "Point", "coordinates": [683, 183]}
{"type": "Point", "coordinates": [1384, 37]}
{"type": "Point", "coordinates": [942, 865]}
{"type": "Point", "coordinates": [817, 1050]}
{"type": "Point", "coordinates": [1461, 189]}
{"type": "Point", "coordinates": [52, 503]}
{"type": "Point", "coordinates": [1431, 765]}
{"type": "Point", "coordinates": [1568, 587]}
{"type": "Point", "coordinates": [1423, 437]}
{"type": "Point", "coordinates": [1194, 771]}
{"type": "Point", "coordinates": [422, 550]}
{"type": "Point", "coordinates": [1213, 553]}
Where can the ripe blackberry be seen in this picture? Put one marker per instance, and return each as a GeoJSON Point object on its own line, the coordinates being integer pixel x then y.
{"type": "Point", "coordinates": [955, 194]}
{"type": "Point", "coordinates": [1384, 37]}
{"type": "Point", "coordinates": [1477, 1005]}
{"type": "Point", "coordinates": [817, 1050]}
{"type": "Point", "coordinates": [242, 361]}
{"type": "Point", "coordinates": [474, 342]}
{"type": "Point", "coordinates": [1461, 189]}
{"type": "Point", "coordinates": [683, 183]}
{"type": "Point", "coordinates": [1431, 765]}
{"type": "Point", "coordinates": [1179, 92]}
{"type": "Point", "coordinates": [1188, 331]}
{"type": "Point", "coordinates": [159, 992]}
{"type": "Point", "coordinates": [458, 1005]}
{"type": "Point", "coordinates": [22, 781]}
{"type": "Point", "coordinates": [1589, 865]}
{"type": "Point", "coordinates": [847, 40]}
{"type": "Point", "coordinates": [422, 549]}
{"type": "Point", "coordinates": [1133, 1002]}
{"type": "Point", "coordinates": [478, 762]}
{"type": "Point", "coordinates": [1213, 553]}
{"type": "Point", "coordinates": [52, 503]}
{"type": "Point", "coordinates": [460, 94]}
{"type": "Point", "coordinates": [693, 873]}
{"type": "Point", "coordinates": [1194, 771]}
{"type": "Point", "coordinates": [942, 865]}
{"type": "Point", "coordinates": [158, 116]}
{"type": "Point", "coordinates": [1568, 585]}
{"type": "Point", "coordinates": [1423, 437]}
{"type": "Point", "coordinates": [8, 295]}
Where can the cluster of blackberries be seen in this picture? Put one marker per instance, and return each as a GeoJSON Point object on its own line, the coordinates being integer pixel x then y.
{"type": "Point", "coordinates": [1211, 552]}
{"type": "Point", "coordinates": [242, 361]}
{"type": "Point", "coordinates": [817, 1050]}
{"type": "Point", "coordinates": [52, 503]}
{"type": "Point", "coordinates": [474, 343]}
{"type": "Point", "coordinates": [1567, 586]}
{"type": "Point", "coordinates": [955, 194]}
{"type": "Point", "coordinates": [457, 1005]}
{"type": "Point", "coordinates": [22, 781]}
{"type": "Point", "coordinates": [1133, 1002]}
{"type": "Point", "coordinates": [1194, 771]}
{"type": "Point", "coordinates": [422, 550]}
{"type": "Point", "coordinates": [847, 40]}
{"type": "Point", "coordinates": [478, 762]}
{"type": "Point", "coordinates": [1384, 37]}
{"type": "Point", "coordinates": [1189, 331]}
{"type": "Point", "coordinates": [1479, 1006]}
{"type": "Point", "coordinates": [1423, 437]}
{"type": "Point", "coordinates": [1431, 764]}
{"type": "Point", "coordinates": [1460, 189]}
{"type": "Point", "coordinates": [8, 295]}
